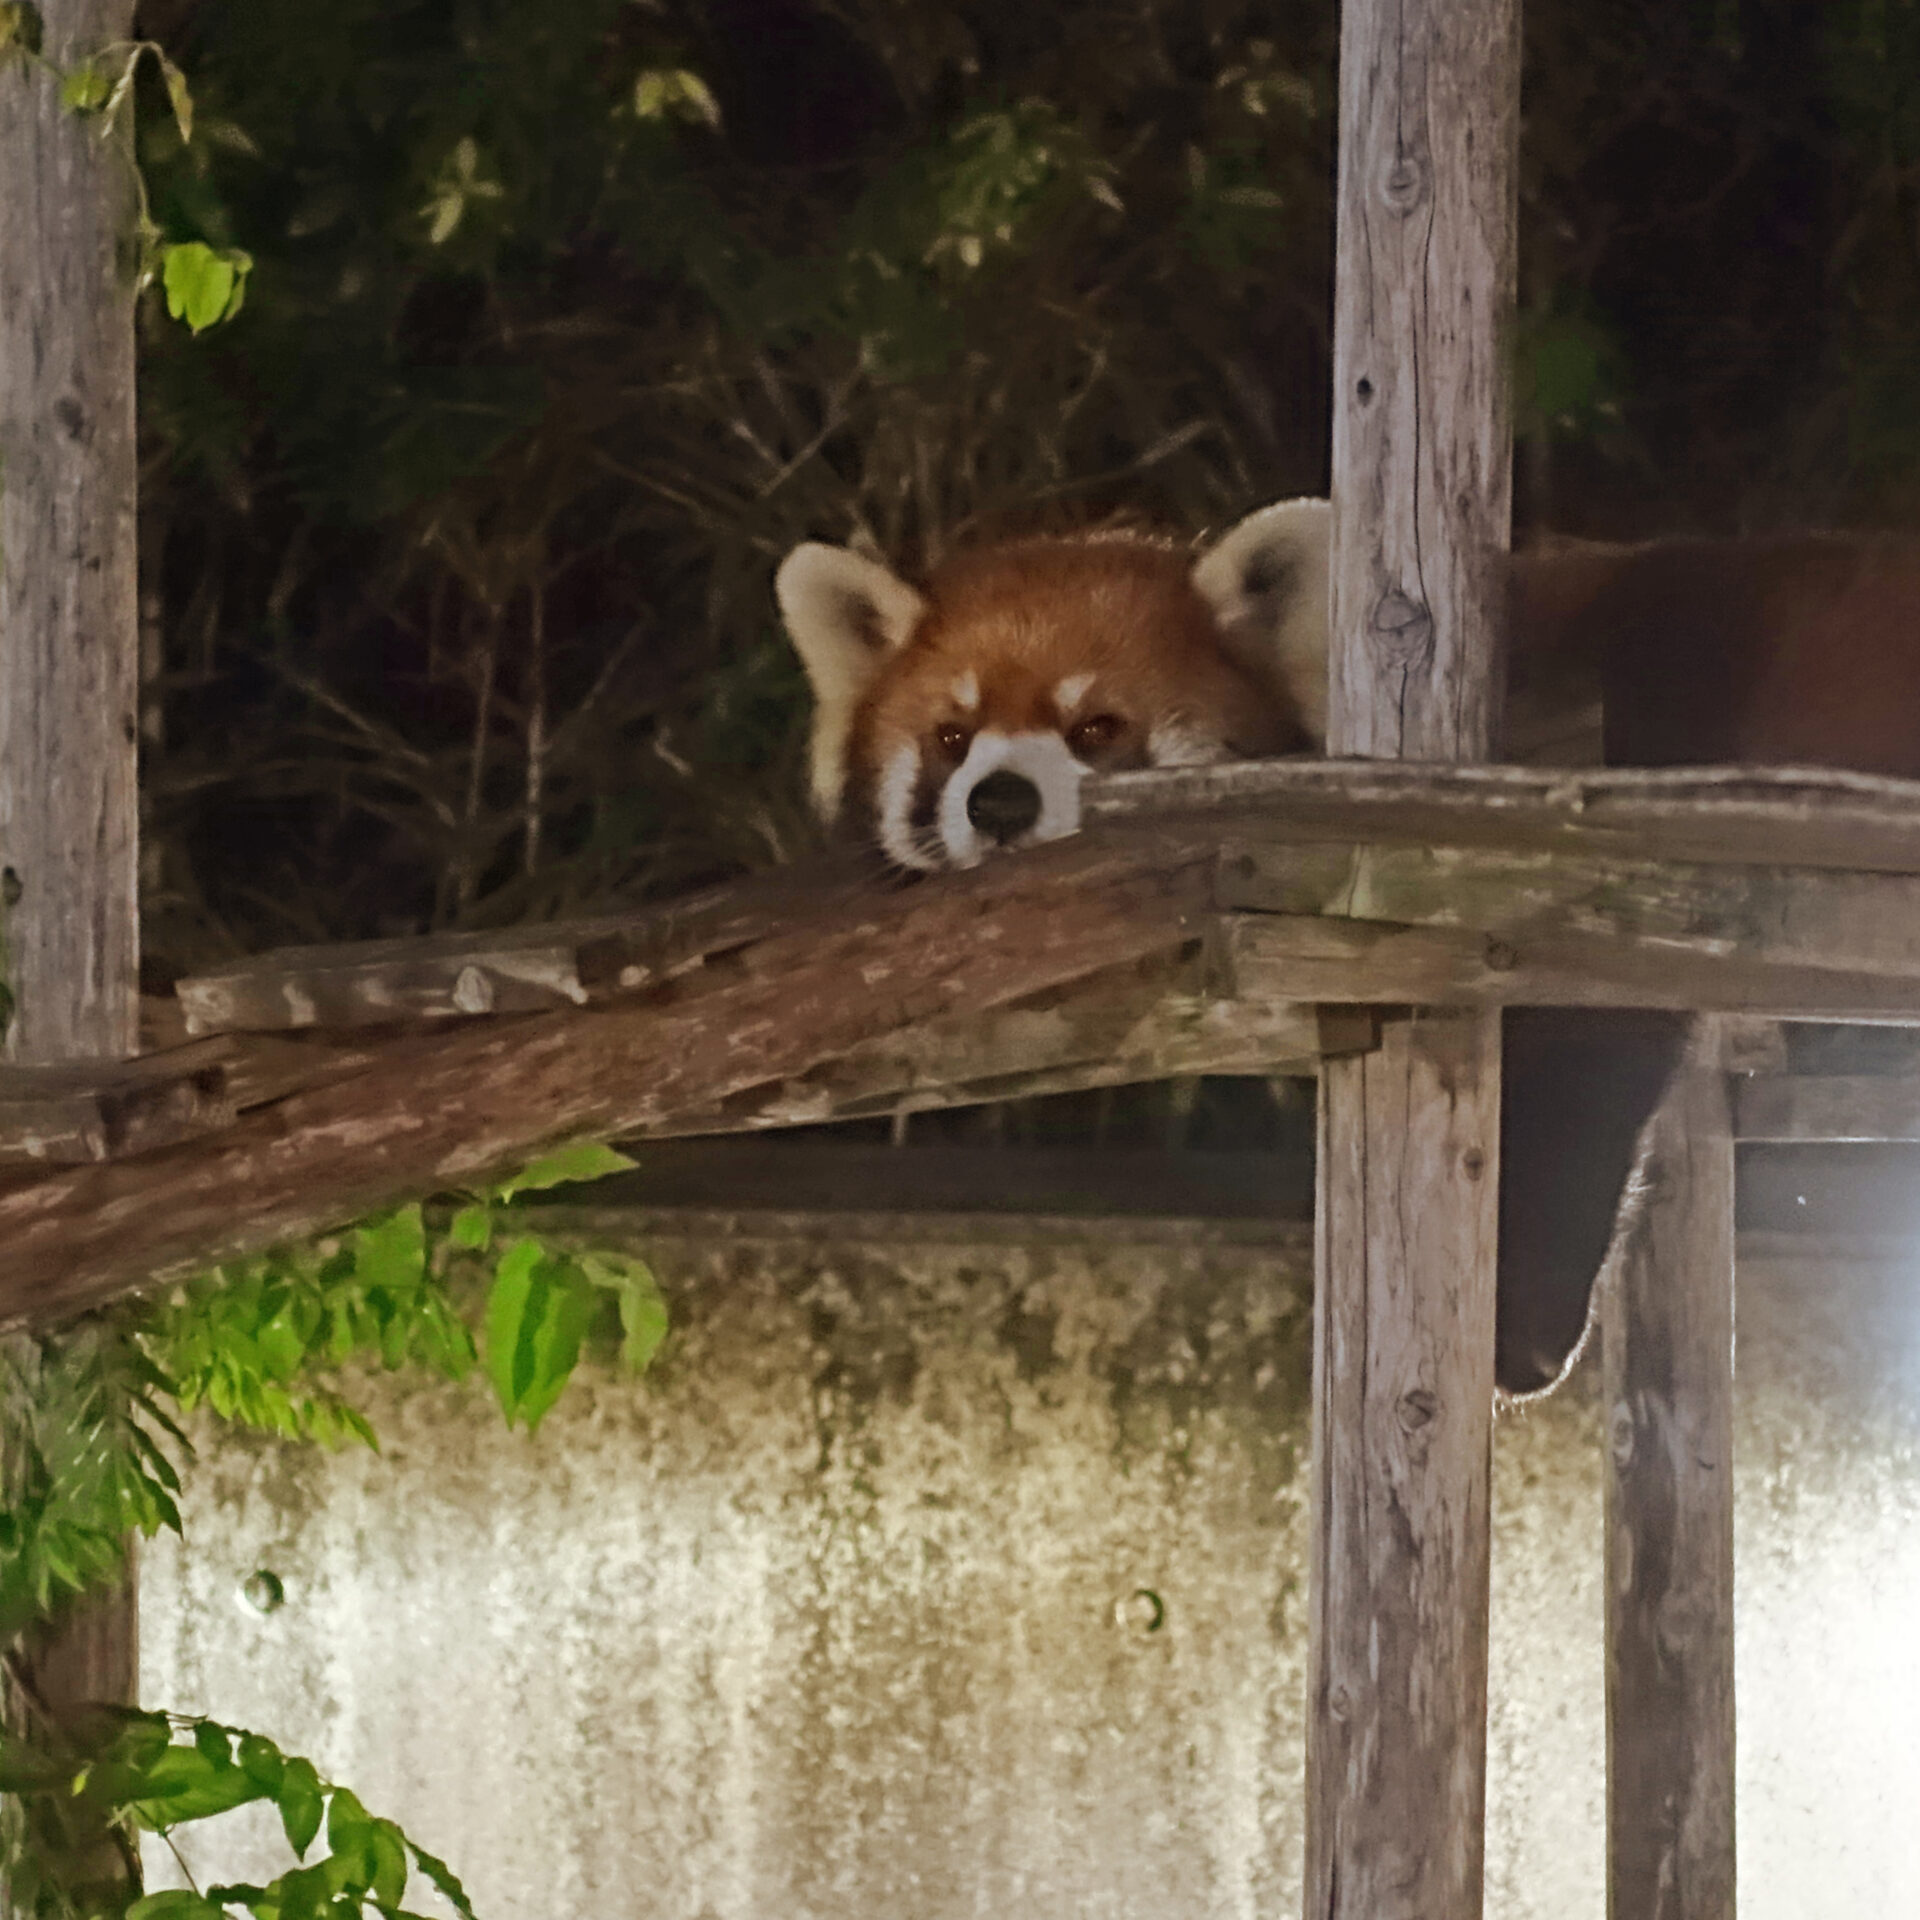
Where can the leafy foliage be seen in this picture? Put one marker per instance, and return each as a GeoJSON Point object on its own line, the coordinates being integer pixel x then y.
{"type": "Point", "coordinates": [264, 1343]}
{"type": "Point", "coordinates": [92, 1455]}
{"type": "Point", "coordinates": [126, 1772]}
{"type": "Point", "coordinates": [565, 320]}
{"type": "Point", "coordinates": [86, 1446]}
{"type": "Point", "coordinates": [566, 317]}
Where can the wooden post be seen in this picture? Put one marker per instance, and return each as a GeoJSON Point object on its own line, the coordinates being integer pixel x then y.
{"type": "Point", "coordinates": [69, 638]}
{"type": "Point", "coordinates": [1409, 1134]}
{"type": "Point", "coordinates": [1667, 1328]}
{"type": "Point", "coordinates": [69, 651]}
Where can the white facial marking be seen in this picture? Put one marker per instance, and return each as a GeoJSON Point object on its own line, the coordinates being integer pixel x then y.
{"type": "Point", "coordinates": [1173, 743]}
{"type": "Point", "coordinates": [894, 805]}
{"type": "Point", "coordinates": [1043, 758]}
{"type": "Point", "coordinates": [966, 692]}
{"type": "Point", "coordinates": [1071, 691]}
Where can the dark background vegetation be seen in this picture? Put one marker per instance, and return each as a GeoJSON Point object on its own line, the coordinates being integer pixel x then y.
{"type": "Point", "coordinates": [568, 317]}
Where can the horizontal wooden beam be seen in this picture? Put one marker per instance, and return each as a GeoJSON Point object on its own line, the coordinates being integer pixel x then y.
{"type": "Point", "coordinates": [87, 1110]}
{"type": "Point", "coordinates": [1713, 816]}
{"type": "Point", "coordinates": [1152, 944]}
{"type": "Point", "coordinates": [1773, 816]}
{"type": "Point", "coordinates": [1388, 964]}
{"type": "Point", "coordinates": [1150, 1022]}
{"type": "Point", "coordinates": [1546, 927]}
{"type": "Point", "coordinates": [516, 969]}
{"type": "Point", "coordinates": [445, 1108]}
{"type": "Point", "coordinates": [1830, 1108]}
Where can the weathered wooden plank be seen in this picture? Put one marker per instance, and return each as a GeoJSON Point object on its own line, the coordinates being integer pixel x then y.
{"type": "Point", "coordinates": [1407, 1218]}
{"type": "Point", "coordinates": [1845, 922]}
{"type": "Point", "coordinates": [1409, 1134]}
{"type": "Point", "coordinates": [1295, 957]}
{"type": "Point", "coordinates": [1133, 1024]}
{"type": "Point", "coordinates": [92, 1112]}
{"type": "Point", "coordinates": [1667, 1330]}
{"type": "Point", "coordinates": [513, 970]}
{"type": "Point", "coordinates": [69, 661]}
{"type": "Point", "coordinates": [1828, 1107]}
{"type": "Point", "coordinates": [69, 673]}
{"type": "Point", "coordinates": [1709, 817]}
{"type": "Point", "coordinates": [455, 1104]}
{"type": "Point", "coordinates": [1781, 816]}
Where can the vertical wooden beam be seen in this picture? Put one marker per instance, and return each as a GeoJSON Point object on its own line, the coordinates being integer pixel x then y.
{"type": "Point", "coordinates": [69, 636]}
{"type": "Point", "coordinates": [69, 649]}
{"type": "Point", "coordinates": [1667, 1327]}
{"type": "Point", "coordinates": [1409, 1135]}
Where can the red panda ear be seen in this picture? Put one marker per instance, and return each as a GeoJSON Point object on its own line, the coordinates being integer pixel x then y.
{"type": "Point", "coordinates": [844, 614]}
{"type": "Point", "coordinates": [1267, 582]}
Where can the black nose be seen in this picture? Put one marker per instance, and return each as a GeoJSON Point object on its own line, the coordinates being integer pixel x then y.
{"type": "Point", "coordinates": [1004, 805]}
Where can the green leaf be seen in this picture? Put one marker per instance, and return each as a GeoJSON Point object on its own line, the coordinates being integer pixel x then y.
{"type": "Point", "coordinates": [585, 1160]}
{"type": "Point", "coordinates": [674, 93]}
{"type": "Point", "coordinates": [141, 1739]}
{"type": "Point", "coordinates": [300, 1805]}
{"type": "Point", "coordinates": [444, 1881]}
{"type": "Point", "coordinates": [184, 1784]}
{"type": "Point", "coordinates": [176, 1903]}
{"type": "Point", "coordinates": [391, 1253]}
{"type": "Point", "coordinates": [349, 1827]}
{"type": "Point", "coordinates": [556, 1341]}
{"type": "Point", "coordinates": [387, 1850]}
{"type": "Point", "coordinates": [643, 1309]}
{"type": "Point", "coordinates": [304, 1894]}
{"type": "Point", "coordinates": [85, 89]}
{"type": "Point", "coordinates": [283, 1343]}
{"type": "Point", "coordinates": [178, 97]}
{"type": "Point", "coordinates": [472, 1229]}
{"type": "Point", "coordinates": [204, 287]}
{"type": "Point", "coordinates": [263, 1763]}
{"type": "Point", "coordinates": [507, 1323]}
{"type": "Point", "coordinates": [213, 1743]}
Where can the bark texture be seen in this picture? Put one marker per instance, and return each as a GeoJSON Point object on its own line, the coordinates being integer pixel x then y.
{"type": "Point", "coordinates": [69, 649]}
{"type": "Point", "coordinates": [1667, 1327]}
{"type": "Point", "coordinates": [1409, 1136]}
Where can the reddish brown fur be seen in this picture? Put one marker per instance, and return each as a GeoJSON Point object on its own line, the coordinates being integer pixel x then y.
{"type": "Point", "coordinates": [1800, 650]}
{"type": "Point", "coordinates": [1023, 617]}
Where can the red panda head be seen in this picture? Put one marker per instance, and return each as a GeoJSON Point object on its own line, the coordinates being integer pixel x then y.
{"type": "Point", "coordinates": [960, 716]}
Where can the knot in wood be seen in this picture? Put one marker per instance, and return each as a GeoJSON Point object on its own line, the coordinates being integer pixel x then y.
{"type": "Point", "coordinates": [1417, 1409]}
{"type": "Point", "coordinates": [1473, 1163]}
{"type": "Point", "coordinates": [1620, 1434]}
{"type": "Point", "coordinates": [1401, 629]}
{"type": "Point", "coordinates": [1405, 184]}
{"type": "Point", "coordinates": [1501, 956]}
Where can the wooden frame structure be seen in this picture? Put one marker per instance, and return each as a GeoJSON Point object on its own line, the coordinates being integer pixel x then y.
{"type": "Point", "coordinates": [1239, 919]}
{"type": "Point", "coordinates": [1202, 923]}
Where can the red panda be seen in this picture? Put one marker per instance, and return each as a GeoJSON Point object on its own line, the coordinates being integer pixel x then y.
{"type": "Point", "coordinates": [959, 717]}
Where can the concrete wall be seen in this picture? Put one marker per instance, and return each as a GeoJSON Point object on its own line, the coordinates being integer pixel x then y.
{"type": "Point", "coordinates": [931, 1577]}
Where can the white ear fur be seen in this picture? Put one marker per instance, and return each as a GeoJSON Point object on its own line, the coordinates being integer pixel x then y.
{"type": "Point", "coordinates": [1268, 583]}
{"type": "Point", "coordinates": [844, 614]}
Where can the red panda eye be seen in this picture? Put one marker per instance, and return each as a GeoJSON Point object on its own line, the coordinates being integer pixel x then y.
{"type": "Point", "coordinates": [1096, 732]}
{"type": "Point", "coordinates": [952, 739]}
